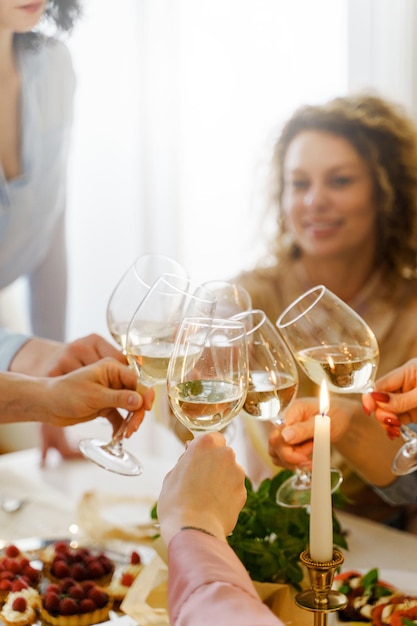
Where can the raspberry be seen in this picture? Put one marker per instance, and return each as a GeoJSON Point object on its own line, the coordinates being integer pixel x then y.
{"type": "Point", "coordinates": [5, 584]}
{"type": "Point", "coordinates": [76, 592]}
{"type": "Point", "coordinates": [62, 546]}
{"type": "Point", "coordinates": [68, 606]}
{"type": "Point", "coordinates": [99, 597]}
{"type": "Point", "coordinates": [19, 604]}
{"type": "Point", "coordinates": [12, 551]}
{"type": "Point", "coordinates": [95, 569]}
{"type": "Point", "coordinates": [31, 573]}
{"type": "Point", "coordinates": [127, 579]}
{"type": "Point", "coordinates": [60, 569]}
{"type": "Point", "coordinates": [51, 601]}
{"type": "Point", "coordinates": [87, 606]}
{"type": "Point", "coordinates": [19, 584]}
{"type": "Point", "coordinates": [78, 571]}
{"type": "Point", "coordinates": [53, 588]}
{"type": "Point", "coordinates": [6, 575]}
{"type": "Point", "coordinates": [135, 558]}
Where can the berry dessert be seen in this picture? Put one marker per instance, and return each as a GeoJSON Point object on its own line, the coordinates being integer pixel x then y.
{"type": "Point", "coordinates": [61, 561]}
{"type": "Point", "coordinates": [21, 608]}
{"type": "Point", "coordinates": [72, 603]}
{"type": "Point", "coordinates": [123, 579]}
{"type": "Point", "coordinates": [364, 592]}
{"type": "Point", "coordinates": [16, 572]}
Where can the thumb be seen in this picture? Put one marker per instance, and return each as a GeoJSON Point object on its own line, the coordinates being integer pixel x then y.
{"type": "Point", "coordinates": [122, 399]}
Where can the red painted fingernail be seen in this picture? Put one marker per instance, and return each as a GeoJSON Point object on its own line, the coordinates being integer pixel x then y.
{"type": "Point", "coordinates": [393, 432]}
{"type": "Point", "coordinates": [380, 396]}
{"type": "Point", "coordinates": [392, 421]}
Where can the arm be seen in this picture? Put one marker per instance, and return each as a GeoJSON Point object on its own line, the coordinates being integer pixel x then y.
{"type": "Point", "coordinates": [357, 436]}
{"type": "Point", "coordinates": [207, 584]}
{"type": "Point", "coordinates": [76, 397]}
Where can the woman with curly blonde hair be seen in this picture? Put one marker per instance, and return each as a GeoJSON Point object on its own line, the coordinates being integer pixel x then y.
{"type": "Point", "coordinates": [344, 186]}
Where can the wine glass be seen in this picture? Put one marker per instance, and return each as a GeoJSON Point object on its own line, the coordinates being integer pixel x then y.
{"type": "Point", "coordinates": [132, 288]}
{"type": "Point", "coordinates": [149, 340]}
{"type": "Point", "coordinates": [124, 300]}
{"type": "Point", "coordinates": [273, 383]}
{"type": "Point", "coordinates": [331, 342]}
{"type": "Point", "coordinates": [405, 461]}
{"type": "Point", "coordinates": [207, 377]}
{"type": "Point", "coordinates": [230, 298]}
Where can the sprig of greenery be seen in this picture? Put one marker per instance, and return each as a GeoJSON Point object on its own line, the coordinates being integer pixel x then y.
{"type": "Point", "coordinates": [269, 538]}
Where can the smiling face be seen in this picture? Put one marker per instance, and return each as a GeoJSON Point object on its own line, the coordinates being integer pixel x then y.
{"type": "Point", "coordinates": [20, 16]}
{"type": "Point", "coordinates": [328, 196]}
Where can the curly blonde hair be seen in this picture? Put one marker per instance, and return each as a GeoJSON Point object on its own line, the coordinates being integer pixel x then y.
{"type": "Point", "coordinates": [386, 138]}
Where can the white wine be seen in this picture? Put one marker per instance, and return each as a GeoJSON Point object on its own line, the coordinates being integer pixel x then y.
{"type": "Point", "coordinates": [268, 395]}
{"type": "Point", "coordinates": [150, 361]}
{"type": "Point", "coordinates": [347, 369]}
{"type": "Point", "coordinates": [205, 405]}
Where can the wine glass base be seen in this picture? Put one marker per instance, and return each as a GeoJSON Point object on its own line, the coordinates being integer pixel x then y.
{"type": "Point", "coordinates": [405, 462]}
{"type": "Point", "coordinates": [113, 459]}
{"type": "Point", "coordinates": [295, 493]}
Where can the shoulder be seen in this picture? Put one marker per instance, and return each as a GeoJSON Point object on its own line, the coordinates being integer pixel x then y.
{"type": "Point", "coordinates": [49, 64]}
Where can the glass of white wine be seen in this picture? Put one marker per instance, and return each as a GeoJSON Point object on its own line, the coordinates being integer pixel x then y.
{"type": "Point", "coordinates": [207, 377]}
{"type": "Point", "coordinates": [330, 341]}
{"type": "Point", "coordinates": [123, 302]}
{"type": "Point", "coordinates": [133, 287]}
{"type": "Point", "coordinates": [273, 384]}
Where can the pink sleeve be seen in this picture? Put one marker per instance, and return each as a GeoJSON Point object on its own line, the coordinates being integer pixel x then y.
{"type": "Point", "coordinates": [208, 585]}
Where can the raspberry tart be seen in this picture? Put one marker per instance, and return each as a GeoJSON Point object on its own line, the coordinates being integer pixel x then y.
{"type": "Point", "coordinates": [21, 608]}
{"type": "Point", "coordinates": [123, 579]}
{"type": "Point", "coordinates": [61, 561]}
{"type": "Point", "coordinates": [72, 603]}
{"type": "Point", "coordinates": [16, 573]}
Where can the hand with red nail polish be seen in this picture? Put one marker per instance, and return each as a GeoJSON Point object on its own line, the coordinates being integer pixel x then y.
{"type": "Point", "coordinates": [394, 400]}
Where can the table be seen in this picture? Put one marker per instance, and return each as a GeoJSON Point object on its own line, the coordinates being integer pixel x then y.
{"type": "Point", "coordinates": [60, 486]}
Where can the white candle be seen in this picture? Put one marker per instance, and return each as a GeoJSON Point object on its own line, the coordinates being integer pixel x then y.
{"type": "Point", "coordinates": [321, 522]}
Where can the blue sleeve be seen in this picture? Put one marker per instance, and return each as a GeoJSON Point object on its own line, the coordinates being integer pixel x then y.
{"type": "Point", "coordinates": [402, 491]}
{"type": "Point", "coordinates": [10, 344]}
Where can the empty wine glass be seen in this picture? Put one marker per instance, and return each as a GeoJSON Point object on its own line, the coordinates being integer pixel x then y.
{"type": "Point", "coordinates": [133, 287]}
{"type": "Point", "coordinates": [207, 375]}
{"type": "Point", "coordinates": [331, 342]}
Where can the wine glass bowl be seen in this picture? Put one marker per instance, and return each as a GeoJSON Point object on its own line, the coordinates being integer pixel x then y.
{"type": "Point", "coordinates": [273, 377]}
{"type": "Point", "coordinates": [153, 328]}
{"type": "Point", "coordinates": [330, 341]}
{"type": "Point", "coordinates": [132, 288]}
{"type": "Point", "coordinates": [208, 373]}
{"type": "Point", "coordinates": [231, 299]}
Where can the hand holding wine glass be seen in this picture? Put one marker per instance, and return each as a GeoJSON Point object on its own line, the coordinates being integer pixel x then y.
{"type": "Point", "coordinates": [207, 376]}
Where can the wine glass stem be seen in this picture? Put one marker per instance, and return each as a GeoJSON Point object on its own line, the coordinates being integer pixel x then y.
{"type": "Point", "coordinates": [303, 478]}
{"type": "Point", "coordinates": [120, 433]}
{"type": "Point", "coordinates": [407, 434]}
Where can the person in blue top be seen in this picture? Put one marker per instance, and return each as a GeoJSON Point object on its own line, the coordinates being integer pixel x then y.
{"type": "Point", "coordinates": [37, 84]}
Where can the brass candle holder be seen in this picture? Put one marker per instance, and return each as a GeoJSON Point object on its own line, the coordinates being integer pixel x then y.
{"type": "Point", "coordinates": [321, 598]}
